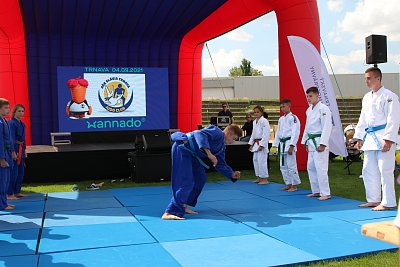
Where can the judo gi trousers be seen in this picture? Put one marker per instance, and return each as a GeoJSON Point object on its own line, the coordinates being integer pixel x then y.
{"type": "Point", "coordinates": [289, 170]}
{"type": "Point", "coordinates": [317, 168]}
{"type": "Point", "coordinates": [16, 177]}
{"type": "Point", "coordinates": [260, 162]}
{"type": "Point", "coordinates": [378, 176]}
{"type": "Point", "coordinates": [4, 182]}
{"type": "Point", "coordinates": [188, 179]}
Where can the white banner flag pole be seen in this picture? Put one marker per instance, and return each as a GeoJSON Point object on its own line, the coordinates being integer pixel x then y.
{"type": "Point", "coordinates": [313, 72]}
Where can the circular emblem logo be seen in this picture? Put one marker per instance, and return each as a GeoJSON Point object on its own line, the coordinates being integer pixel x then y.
{"type": "Point", "coordinates": [115, 95]}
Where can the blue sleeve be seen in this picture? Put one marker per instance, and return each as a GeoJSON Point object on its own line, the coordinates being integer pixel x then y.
{"type": "Point", "coordinates": [13, 131]}
{"type": "Point", "coordinates": [223, 168]}
{"type": "Point", "coordinates": [208, 135]}
{"type": "Point", "coordinates": [2, 149]}
{"type": "Point", "coordinates": [178, 136]}
{"type": "Point", "coordinates": [203, 138]}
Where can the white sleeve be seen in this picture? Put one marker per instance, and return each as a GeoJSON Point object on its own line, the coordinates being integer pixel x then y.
{"type": "Point", "coordinates": [361, 125]}
{"type": "Point", "coordinates": [295, 130]}
{"type": "Point", "coordinates": [305, 136]}
{"type": "Point", "coordinates": [276, 139]}
{"type": "Point", "coordinates": [265, 133]}
{"type": "Point", "coordinates": [251, 141]}
{"type": "Point", "coordinates": [326, 121]}
{"type": "Point", "coordinates": [392, 112]}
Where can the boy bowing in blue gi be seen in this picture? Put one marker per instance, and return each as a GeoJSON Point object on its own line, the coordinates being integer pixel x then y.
{"type": "Point", "coordinates": [188, 169]}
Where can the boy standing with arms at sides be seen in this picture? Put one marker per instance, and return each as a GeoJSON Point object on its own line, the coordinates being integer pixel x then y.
{"type": "Point", "coordinates": [377, 134]}
{"type": "Point", "coordinates": [17, 128]}
{"type": "Point", "coordinates": [286, 139]}
{"type": "Point", "coordinates": [7, 154]}
{"type": "Point", "coordinates": [188, 168]}
{"type": "Point", "coordinates": [259, 145]}
{"type": "Point", "coordinates": [316, 140]}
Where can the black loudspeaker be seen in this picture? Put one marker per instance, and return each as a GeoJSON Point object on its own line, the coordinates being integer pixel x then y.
{"type": "Point", "coordinates": [149, 167]}
{"type": "Point", "coordinates": [376, 49]}
{"type": "Point", "coordinates": [156, 142]}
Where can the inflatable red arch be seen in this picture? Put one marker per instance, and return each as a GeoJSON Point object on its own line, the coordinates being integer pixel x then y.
{"type": "Point", "coordinates": [296, 17]}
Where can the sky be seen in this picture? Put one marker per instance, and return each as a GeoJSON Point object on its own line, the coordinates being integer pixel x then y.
{"type": "Point", "coordinates": [344, 26]}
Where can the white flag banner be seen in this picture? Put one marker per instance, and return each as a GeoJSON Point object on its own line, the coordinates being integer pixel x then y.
{"type": "Point", "coordinates": [313, 72]}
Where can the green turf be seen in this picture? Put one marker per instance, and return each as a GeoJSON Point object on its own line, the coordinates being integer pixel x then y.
{"type": "Point", "coordinates": [342, 184]}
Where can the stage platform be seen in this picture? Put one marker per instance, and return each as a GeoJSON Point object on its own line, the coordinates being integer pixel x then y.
{"type": "Point", "coordinates": [239, 224]}
{"type": "Point", "coordinates": [75, 162]}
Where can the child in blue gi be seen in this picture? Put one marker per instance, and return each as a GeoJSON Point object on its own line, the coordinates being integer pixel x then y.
{"type": "Point", "coordinates": [7, 154]}
{"type": "Point", "coordinates": [188, 169]}
{"type": "Point", "coordinates": [17, 128]}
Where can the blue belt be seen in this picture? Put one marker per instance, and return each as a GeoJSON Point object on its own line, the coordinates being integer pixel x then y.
{"type": "Point", "coordinates": [371, 130]}
{"type": "Point", "coordinates": [192, 150]}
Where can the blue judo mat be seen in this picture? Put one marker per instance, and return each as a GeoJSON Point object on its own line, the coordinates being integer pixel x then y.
{"type": "Point", "coordinates": [239, 224]}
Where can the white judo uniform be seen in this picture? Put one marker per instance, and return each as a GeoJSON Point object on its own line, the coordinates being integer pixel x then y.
{"type": "Point", "coordinates": [260, 137]}
{"type": "Point", "coordinates": [379, 120]}
{"type": "Point", "coordinates": [317, 132]}
{"type": "Point", "coordinates": [287, 135]}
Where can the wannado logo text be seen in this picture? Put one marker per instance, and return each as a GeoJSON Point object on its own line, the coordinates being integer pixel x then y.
{"type": "Point", "coordinates": [115, 95]}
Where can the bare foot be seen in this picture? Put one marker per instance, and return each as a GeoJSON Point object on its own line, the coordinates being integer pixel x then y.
{"type": "Point", "coordinates": [20, 195]}
{"type": "Point", "coordinates": [263, 181]}
{"type": "Point", "coordinates": [167, 216]}
{"type": "Point", "coordinates": [324, 198]}
{"type": "Point", "coordinates": [293, 189]}
{"type": "Point", "coordinates": [381, 208]}
{"type": "Point", "coordinates": [313, 195]}
{"type": "Point", "coordinates": [369, 204]}
{"type": "Point", "coordinates": [12, 197]}
{"type": "Point", "coordinates": [189, 211]}
{"type": "Point", "coordinates": [285, 188]}
{"type": "Point", "coordinates": [256, 181]}
{"type": "Point", "coordinates": [9, 207]}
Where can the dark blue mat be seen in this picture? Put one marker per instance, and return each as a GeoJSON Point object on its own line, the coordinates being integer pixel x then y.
{"type": "Point", "coordinates": [196, 228]}
{"type": "Point", "coordinates": [19, 261]}
{"type": "Point", "coordinates": [60, 204]}
{"type": "Point", "coordinates": [250, 205]}
{"type": "Point", "coordinates": [304, 201]}
{"type": "Point", "coordinates": [25, 207]}
{"type": "Point", "coordinates": [30, 197]}
{"type": "Point", "coordinates": [154, 212]}
{"type": "Point", "coordinates": [57, 239]}
{"type": "Point", "coordinates": [140, 191]}
{"type": "Point", "coordinates": [215, 195]}
{"type": "Point", "coordinates": [267, 222]}
{"type": "Point", "coordinates": [18, 242]}
{"type": "Point", "coordinates": [150, 255]}
{"type": "Point", "coordinates": [21, 221]}
{"type": "Point", "coordinates": [86, 217]}
{"type": "Point", "coordinates": [131, 200]}
{"type": "Point", "coordinates": [246, 250]}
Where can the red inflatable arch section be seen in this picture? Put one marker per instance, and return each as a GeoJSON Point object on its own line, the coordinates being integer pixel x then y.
{"type": "Point", "coordinates": [13, 71]}
{"type": "Point", "coordinates": [296, 17]}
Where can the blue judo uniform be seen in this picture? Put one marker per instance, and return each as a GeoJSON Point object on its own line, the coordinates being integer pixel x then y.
{"type": "Point", "coordinates": [17, 129]}
{"type": "Point", "coordinates": [188, 169]}
{"type": "Point", "coordinates": [6, 146]}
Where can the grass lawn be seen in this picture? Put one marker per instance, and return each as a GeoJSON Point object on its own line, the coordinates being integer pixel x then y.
{"type": "Point", "coordinates": [342, 184]}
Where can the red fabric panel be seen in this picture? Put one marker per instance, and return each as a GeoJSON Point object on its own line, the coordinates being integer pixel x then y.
{"type": "Point", "coordinates": [13, 71]}
{"type": "Point", "coordinates": [296, 17]}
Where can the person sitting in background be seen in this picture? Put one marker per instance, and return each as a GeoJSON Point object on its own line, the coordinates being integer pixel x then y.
{"type": "Point", "coordinates": [247, 128]}
{"type": "Point", "coordinates": [226, 112]}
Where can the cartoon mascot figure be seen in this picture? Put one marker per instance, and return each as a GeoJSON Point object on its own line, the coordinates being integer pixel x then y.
{"type": "Point", "coordinates": [78, 107]}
